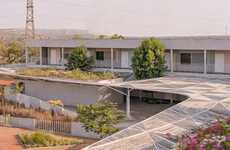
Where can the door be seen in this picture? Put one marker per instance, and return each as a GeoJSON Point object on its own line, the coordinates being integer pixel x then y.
{"type": "Point", "coordinates": [53, 56]}
{"type": "Point", "coordinates": [219, 63]}
{"type": "Point", "coordinates": [167, 61]}
{"type": "Point", "coordinates": [124, 59]}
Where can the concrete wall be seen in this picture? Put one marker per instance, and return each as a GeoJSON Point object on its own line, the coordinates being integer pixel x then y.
{"type": "Point", "coordinates": [71, 94]}
{"type": "Point", "coordinates": [197, 61]}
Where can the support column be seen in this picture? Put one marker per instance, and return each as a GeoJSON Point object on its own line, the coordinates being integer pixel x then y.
{"type": "Point", "coordinates": [205, 61]}
{"type": "Point", "coordinates": [40, 55]}
{"type": "Point", "coordinates": [171, 60]}
{"type": "Point", "coordinates": [27, 55]}
{"type": "Point", "coordinates": [128, 104]}
{"type": "Point", "coordinates": [62, 56]}
{"type": "Point", "coordinates": [112, 65]}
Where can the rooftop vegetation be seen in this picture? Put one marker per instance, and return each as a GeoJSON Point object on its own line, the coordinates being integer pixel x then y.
{"type": "Point", "coordinates": [63, 74]}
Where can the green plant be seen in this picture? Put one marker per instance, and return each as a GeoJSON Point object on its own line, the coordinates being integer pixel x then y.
{"type": "Point", "coordinates": [100, 118]}
{"type": "Point", "coordinates": [40, 139]}
{"type": "Point", "coordinates": [11, 52]}
{"type": "Point", "coordinates": [214, 137]}
{"type": "Point", "coordinates": [116, 36]}
{"type": "Point", "coordinates": [148, 60]}
{"type": "Point", "coordinates": [78, 59]}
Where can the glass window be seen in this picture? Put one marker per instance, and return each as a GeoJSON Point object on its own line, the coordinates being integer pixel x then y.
{"type": "Point", "coordinates": [185, 58]}
{"type": "Point", "coordinates": [99, 55]}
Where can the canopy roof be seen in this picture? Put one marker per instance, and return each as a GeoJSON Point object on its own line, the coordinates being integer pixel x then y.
{"type": "Point", "coordinates": [208, 100]}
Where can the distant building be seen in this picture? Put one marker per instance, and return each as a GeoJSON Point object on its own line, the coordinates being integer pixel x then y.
{"type": "Point", "coordinates": [203, 54]}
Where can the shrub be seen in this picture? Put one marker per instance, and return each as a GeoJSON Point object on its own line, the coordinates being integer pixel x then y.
{"type": "Point", "coordinates": [11, 52]}
{"type": "Point", "coordinates": [216, 137]}
{"type": "Point", "coordinates": [148, 60]}
{"type": "Point", "coordinates": [100, 118]}
{"type": "Point", "coordinates": [40, 139]}
{"type": "Point", "coordinates": [78, 59]}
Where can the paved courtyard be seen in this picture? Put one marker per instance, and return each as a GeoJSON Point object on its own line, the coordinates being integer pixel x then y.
{"type": "Point", "coordinates": [209, 99]}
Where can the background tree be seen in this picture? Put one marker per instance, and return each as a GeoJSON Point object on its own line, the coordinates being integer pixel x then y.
{"type": "Point", "coordinates": [148, 60]}
{"type": "Point", "coordinates": [11, 53]}
{"type": "Point", "coordinates": [78, 59]}
{"type": "Point", "coordinates": [102, 37]}
{"type": "Point", "coordinates": [116, 36]}
{"type": "Point", "coordinates": [100, 118]}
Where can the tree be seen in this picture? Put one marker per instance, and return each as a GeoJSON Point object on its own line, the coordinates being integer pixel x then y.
{"type": "Point", "coordinates": [100, 118]}
{"type": "Point", "coordinates": [78, 59]}
{"type": "Point", "coordinates": [11, 53]}
{"type": "Point", "coordinates": [116, 36]}
{"type": "Point", "coordinates": [102, 37]}
{"type": "Point", "coordinates": [148, 60]}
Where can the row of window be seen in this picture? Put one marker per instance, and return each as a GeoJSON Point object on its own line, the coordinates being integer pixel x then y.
{"type": "Point", "coordinates": [100, 55]}
{"type": "Point", "coordinates": [189, 58]}
{"type": "Point", "coordinates": [185, 58]}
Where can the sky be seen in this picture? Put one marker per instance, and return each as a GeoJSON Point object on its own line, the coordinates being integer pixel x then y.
{"type": "Point", "coordinates": [126, 17]}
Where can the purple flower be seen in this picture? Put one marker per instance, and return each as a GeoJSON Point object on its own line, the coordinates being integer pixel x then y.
{"type": "Point", "coordinates": [227, 138]}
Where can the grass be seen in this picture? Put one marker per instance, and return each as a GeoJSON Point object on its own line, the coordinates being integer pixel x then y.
{"type": "Point", "coordinates": [41, 139]}
{"type": "Point", "coordinates": [75, 74]}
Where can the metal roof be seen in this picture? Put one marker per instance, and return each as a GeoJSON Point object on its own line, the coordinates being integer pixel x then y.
{"type": "Point", "coordinates": [185, 43]}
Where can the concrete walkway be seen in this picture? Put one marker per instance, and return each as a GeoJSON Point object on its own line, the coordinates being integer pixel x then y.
{"type": "Point", "coordinates": [209, 99]}
{"type": "Point", "coordinates": [8, 140]}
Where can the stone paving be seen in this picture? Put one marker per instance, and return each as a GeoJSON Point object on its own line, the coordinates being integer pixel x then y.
{"type": "Point", "coordinates": [208, 100]}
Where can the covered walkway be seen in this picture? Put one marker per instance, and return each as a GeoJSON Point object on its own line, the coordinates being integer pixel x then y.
{"type": "Point", "coordinates": [208, 100]}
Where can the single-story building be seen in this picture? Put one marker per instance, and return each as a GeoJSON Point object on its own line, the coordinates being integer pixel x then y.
{"type": "Point", "coordinates": [201, 54]}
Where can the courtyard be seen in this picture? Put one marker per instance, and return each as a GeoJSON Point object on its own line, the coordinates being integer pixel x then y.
{"type": "Point", "coordinates": [208, 100]}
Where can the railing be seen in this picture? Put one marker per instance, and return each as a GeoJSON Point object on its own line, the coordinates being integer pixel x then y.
{"type": "Point", "coordinates": [5, 120]}
{"type": "Point", "coordinates": [55, 126]}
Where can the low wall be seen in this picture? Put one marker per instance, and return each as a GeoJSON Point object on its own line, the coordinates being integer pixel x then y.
{"type": "Point", "coordinates": [28, 123]}
{"type": "Point", "coordinates": [34, 102]}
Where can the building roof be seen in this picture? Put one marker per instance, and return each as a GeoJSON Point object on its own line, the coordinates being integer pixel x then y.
{"type": "Point", "coordinates": [184, 43]}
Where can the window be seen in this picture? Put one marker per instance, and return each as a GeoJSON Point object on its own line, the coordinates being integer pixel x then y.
{"type": "Point", "coordinates": [185, 58]}
{"type": "Point", "coordinates": [99, 55]}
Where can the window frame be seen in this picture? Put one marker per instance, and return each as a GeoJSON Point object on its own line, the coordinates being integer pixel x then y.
{"type": "Point", "coordinates": [100, 57]}
{"type": "Point", "coordinates": [183, 61]}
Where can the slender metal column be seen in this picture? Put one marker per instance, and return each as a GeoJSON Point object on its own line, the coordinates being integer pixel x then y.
{"type": "Point", "coordinates": [171, 60]}
{"type": "Point", "coordinates": [62, 56]}
{"type": "Point", "coordinates": [27, 55]}
{"type": "Point", "coordinates": [40, 55]}
{"type": "Point", "coordinates": [128, 104]}
{"type": "Point", "coordinates": [205, 61]}
{"type": "Point", "coordinates": [112, 65]}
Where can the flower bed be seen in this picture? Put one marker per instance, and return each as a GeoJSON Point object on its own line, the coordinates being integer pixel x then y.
{"type": "Point", "coordinates": [75, 74]}
{"type": "Point", "coordinates": [40, 139]}
{"type": "Point", "coordinates": [215, 137]}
